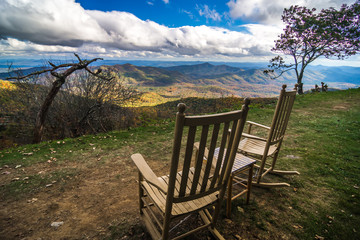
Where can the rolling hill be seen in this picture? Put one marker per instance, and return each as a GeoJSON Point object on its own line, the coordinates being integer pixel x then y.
{"type": "Point", "coordinates": [199, 80]}
{"type": "Point", "coordinates": [205, 70]}
{"type": "Point", "coordinates": [169, 81]}
{"type": "Point", "coordinates": [209, 80]}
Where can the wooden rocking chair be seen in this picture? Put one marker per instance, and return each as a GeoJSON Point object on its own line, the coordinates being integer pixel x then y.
{"type": "Point", "coordinates": [262, 148]}
{"type": "Point", "coordinates": [197, 187]}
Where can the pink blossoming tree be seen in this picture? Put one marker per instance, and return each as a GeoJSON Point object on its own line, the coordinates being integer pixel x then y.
{"type": "Point", "coordinates": [309, 35]}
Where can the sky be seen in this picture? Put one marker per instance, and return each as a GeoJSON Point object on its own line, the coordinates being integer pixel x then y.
{"type": "Point", "coordinates": [212, 30]}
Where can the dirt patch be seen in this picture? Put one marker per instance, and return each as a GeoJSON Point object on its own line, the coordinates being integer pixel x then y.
{"type": "Point", "coordinates": [99, 200]}
{"type": "Point", "coordinates": [341, 107]}
{"type": "Point", "coordinates": [88, 203]}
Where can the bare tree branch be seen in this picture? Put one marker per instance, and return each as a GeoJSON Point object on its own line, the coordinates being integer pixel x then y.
{"type": "Point", "coordinates": [60, 78]}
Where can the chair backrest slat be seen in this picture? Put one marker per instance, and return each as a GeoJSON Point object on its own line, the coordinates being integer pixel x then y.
{"type": "Point", "coordinates": [214, 138]}
{"type": "Point", "coordinates": [227, 153]}
{"type": "Point", "coordinates": [291, 103]}
{"type": "Point", "coordinates": [190, 178]}
{"type": "Point", "coordinates": [187, 160]}
{"type": "Point", "coordinates": [218, 163]}
{"type": "Point", "coordinates": [198, 166]}
{"type": "Point", "coordinates": [284, 117]}
{"type": "Point", "coordinates": [280, 117]}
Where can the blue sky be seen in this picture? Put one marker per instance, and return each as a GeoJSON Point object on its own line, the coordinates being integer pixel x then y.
{"type": "Point", "coordinates": [213, 30]}
{"type": "Point", "coordinates": [170, 13]}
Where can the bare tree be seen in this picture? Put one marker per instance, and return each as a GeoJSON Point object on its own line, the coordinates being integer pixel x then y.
{"type": "Point", "coordinates": [93, 101]}
{"type": "Point", "coordinates": [61, 73]}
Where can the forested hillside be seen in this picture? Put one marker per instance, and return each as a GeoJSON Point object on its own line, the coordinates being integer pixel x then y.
{"type": "Point", "coordinates": [162, 84]}
{"type": "Point", "coordinates": [208, 80]}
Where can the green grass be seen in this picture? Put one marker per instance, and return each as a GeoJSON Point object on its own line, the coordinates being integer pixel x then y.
{"type": "Point", "coordinates": [324, 133]}
{"type": "Point", "coordinates": [33, 183]}
{"type": "Point", "coordinates": [76, 148]}
{"type": "Point", "coordinates": [329, 146]}
{"type": "Point", "coordinates": [85, 151]}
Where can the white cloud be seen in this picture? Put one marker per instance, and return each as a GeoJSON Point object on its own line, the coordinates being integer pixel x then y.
{"type": "Point", "coordinates": [62, 22]}
{"type": "Point", "coordinates": [257, 10]}
{"type": "Point", "coordinates": [64, 26]}
{"type": "Point", "coordinates": [166, 1]}
{"type": "Point", "coordinates": [190, 14]}
{"type": "Point", "coordinates": [269, 12]}
{"type": "Point", "coordinates": [15, 47]}
{"type": "Point", "coordinates": [208, 13]}
{"type": "Point", "coordinates": [187, 40]}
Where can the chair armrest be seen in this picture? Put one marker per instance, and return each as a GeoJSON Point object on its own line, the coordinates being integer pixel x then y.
{"type": "Point", "coordinates": [258, 124]}
{"type": "Point", "coordinates": [246, 135]}
{"type": "Point", "coordinates": [147, 172]}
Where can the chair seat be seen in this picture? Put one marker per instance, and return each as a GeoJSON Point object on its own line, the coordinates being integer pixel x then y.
{"type": "Point", "coordinates": [183, 207]}
{"type": "Point", "coordinates": [254, 146]}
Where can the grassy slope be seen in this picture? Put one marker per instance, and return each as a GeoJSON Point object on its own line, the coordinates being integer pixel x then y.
{"type": "Point", "coordinates": [324, 133]}
{"type": "Point", "coordinates": [329, 138]}
{"type": "Point", "coordinates": [323, 201]}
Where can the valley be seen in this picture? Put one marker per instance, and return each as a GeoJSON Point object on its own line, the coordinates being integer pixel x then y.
{"type": "Point", "coordinates": [161, 82]}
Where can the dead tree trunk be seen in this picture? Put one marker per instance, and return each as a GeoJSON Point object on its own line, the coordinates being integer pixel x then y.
{"type": "Point", "coordinates": [60, 80]}
{"type": "Point", "coordinates": [41, 116]}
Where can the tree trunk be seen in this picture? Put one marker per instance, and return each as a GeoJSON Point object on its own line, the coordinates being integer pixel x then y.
{"type": "Point", "coordinates": [300, 88]}
{"type": "Point", "coordinates": [60, 80]}
{"type": "Point", "coordinates": [41, 116]}
{"type": "Point", "coordinates": [300, 84]}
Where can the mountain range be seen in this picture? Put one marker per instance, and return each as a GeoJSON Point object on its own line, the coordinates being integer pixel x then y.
{"type": "Point", "coordinates": [221, 79]}
{"type": "Point", "coordinates": [209, 80]}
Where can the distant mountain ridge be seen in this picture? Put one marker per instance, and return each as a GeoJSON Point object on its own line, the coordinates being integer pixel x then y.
{"type": "Point", "coordinates": [210, 80]}
{"type": "Point", "coordinates": [149, 76]}
{"type": "Point", "coordinates": [30, 63]}
{"type": "Point", "coordinates": [20, 72]}
{"type": "Point", "coordinates": [205, 70]}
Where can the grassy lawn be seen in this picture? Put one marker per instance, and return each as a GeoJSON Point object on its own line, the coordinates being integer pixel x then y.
{"type": "Point", "coordinates": [324, 138]}
{"type": "Point", "coordinates": [322, 143]}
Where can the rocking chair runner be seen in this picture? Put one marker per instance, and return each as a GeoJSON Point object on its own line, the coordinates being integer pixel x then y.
{"type": "Point", "coordinates": [197, 187]}
{"type": "Point", "coordinates": [262, 148]}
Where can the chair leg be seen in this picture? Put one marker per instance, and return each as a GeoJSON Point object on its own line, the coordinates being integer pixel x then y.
{"type": "Point", "coordinates": [276, 155]}
{"type": "Point", "coordinates": [216, 234]}
{"type": "Point", "coordinates": [206, 217]}
{"type": "Point", "coordinates": [261, 169]}
{"type": "Point", "coordinates": [141, 193]}
{"type": "Point", "coordinates": [249, 183]}
{"type": "Point", "coordinates": [216, 213]}
{"type": "Point", "coordinates": [229, 196]}
{"type": "Point", "coordinates": [166, 226]}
